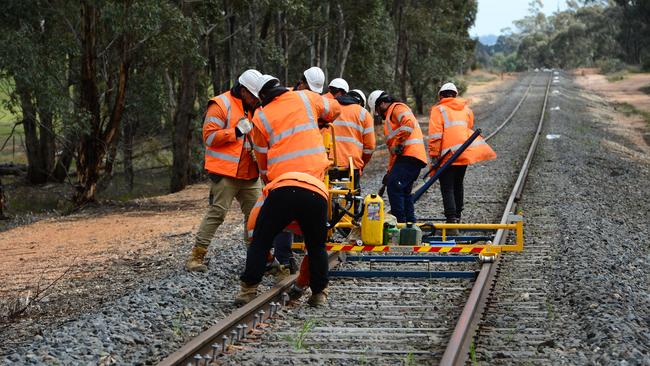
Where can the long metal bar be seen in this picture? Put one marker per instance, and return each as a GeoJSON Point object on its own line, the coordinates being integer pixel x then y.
{"type": "Point", "coordinates": [404, 274]}
{"type": "Point", "coordinates": [458, 347]}
{"type": "Point", "coordinates": [248, 314]}
{"type": "Point", "coordinates": [410, 258]}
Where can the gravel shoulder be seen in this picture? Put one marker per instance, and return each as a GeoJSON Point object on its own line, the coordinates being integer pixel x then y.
{"type": "Point", "coordinates": [587, 200]}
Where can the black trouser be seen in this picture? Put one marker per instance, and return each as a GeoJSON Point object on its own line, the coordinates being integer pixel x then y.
{"type": "Point", "coordinates": [403, 174]}
{"type": "Point", "coordinates": [451, 187]}
{"type": "Point", "coordinates": [282, 206]}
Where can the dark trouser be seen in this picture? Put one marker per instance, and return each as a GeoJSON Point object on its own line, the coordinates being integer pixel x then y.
{"type": "Point", "coordinates": [451, 186]}
{"type": "Point", "coordinates": [400, 183]}
{"type": "Point", "coordinates": [282, 247]}
{"type": "Point", "coordinates": [282, 206]}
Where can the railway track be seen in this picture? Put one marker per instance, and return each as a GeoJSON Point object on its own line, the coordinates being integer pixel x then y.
{"type": "Point", "coordinates": [381, 321]}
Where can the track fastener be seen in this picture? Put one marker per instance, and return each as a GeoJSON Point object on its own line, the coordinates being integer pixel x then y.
{"type": "Point", "coordinates": [197, 359]}
{"type": "Point", "coordinates": [224, 343]}
{"type": "Point", "coordinates": [285, 298]}
{"type": "Point", "coordinates": [233, 337]}
{"type": "Point", "coordinates": [215, 348]}
{"type": "Point", "coordinates": [240, 332]}
{"type": "Point", "coordinates": [256, 321]}
{"type": "Point", "coordinates": [244, 330]}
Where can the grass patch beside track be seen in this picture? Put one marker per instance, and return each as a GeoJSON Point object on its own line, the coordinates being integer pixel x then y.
{"type": "Point", "coordinates": [629, 110]}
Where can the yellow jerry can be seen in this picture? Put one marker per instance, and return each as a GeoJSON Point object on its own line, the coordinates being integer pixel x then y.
{"type": "Point", "coordinates": [372, 222]}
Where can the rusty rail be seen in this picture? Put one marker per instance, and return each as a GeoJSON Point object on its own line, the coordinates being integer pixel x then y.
{"type": "Point", "coordinates": [461, 339]}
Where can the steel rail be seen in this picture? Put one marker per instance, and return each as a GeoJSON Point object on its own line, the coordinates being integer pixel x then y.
{"type": "Point", "coordinates": [459, 345]}
{"type": "Point", "coordinates": [207, 346]}
{"type": "Point", "coordinates": [216, 340]}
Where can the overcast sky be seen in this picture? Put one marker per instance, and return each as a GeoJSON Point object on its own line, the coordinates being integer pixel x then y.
{"type": "Point", "coordinates": [494, 15]}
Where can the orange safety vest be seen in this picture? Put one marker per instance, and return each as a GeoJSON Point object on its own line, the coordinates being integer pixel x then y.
{"type": "Point", "coordinates": [286, 136]}
{"type": "Point", "coordinates": [225, 153]}
{"type": "Point", "coordinates": [354, 134]}
{"type": "Point", "coordinates": [401, 127]}
{"type": "Point", "coordinates": [295, 179]}
{"type": "Point", "coordinates": [450, 125]}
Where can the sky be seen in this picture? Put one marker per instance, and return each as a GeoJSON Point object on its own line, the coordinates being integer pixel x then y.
{"type": "Point", "coordinates": [494, 15]}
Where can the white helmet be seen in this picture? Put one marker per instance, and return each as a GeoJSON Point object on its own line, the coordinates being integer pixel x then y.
{"type": "Point", "coordinates": [315, 79]}
{"type": "Point", "coordinates": [254, 81]}
{"type": "Point", "coordinates": [340, 83]}
{"type": "Point", "coordinates": [360, 93]}
{"type": "Point", "coordinates": [372, 99]}
{"type": "Point", "coordinates": [448, 86]}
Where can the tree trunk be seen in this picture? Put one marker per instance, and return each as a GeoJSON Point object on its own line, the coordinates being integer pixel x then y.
{"type": "Point", "coordinates": [254, 46]}
{"type": "Point", "coordinates": [93, 143]}
{"type": "Point", "coordinates": [35, 172]}
{"type": "Point", "coordinates": [326, 39]}
{"type": "Point", "coordinates": [183, 119]}
{"type": "Point", "coordinates": [127, 150]}
{"type": "Point", "coordinates": [47, 145]}
{"type": "Point", "coordinates": [345, 52]}
{"type": "Point", "coordinates": [2, 203]}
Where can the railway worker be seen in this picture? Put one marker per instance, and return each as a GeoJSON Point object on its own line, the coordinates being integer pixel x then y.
{"type": "Point", "coordinates": [355, 137]}
{"type": "Point", "coordinates": [354, 132]}
{"type": "Point", "coordinates": [229, 162]}
{"type": "Point", "coordinates": [450, 124]}
{"type": "Point", "coordinates": [312, 79]}
{"type": "Point", "coordinates": [407, 154]}
{"type": "Point", "coordinates": [292, 161]}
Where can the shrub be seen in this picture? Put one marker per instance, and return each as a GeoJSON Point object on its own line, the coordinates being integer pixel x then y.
{"type": "Point", "coordinates": [610, 65]}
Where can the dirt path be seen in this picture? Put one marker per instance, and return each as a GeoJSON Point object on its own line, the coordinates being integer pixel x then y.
{"type": "Point", "coordinates": [631, 126]}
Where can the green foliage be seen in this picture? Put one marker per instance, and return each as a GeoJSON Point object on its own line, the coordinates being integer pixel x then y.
{"type": "Point", "coordinates": [610, 65]}
{"type": "Point", "coordinates": [587, 33]}
{"type": "Point", "coordinates": [298, 340]}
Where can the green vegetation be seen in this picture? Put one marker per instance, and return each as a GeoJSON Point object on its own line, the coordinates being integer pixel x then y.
{"type": "Point", "coordinates": [96, 79]}
{"type": "Point", "coordinates": [646, 89]}
{"type": "Point", "coordinates": [603, 34]}
{"type": "Point", "coordinates": [629, 110]}
{"type": "Point", "coordinates": [298, 340]}
{"type": "Point", "coordinates": [409, 360]}
{"type": "Point", "coordinates": [616, 76]}
{"type": "Point", "coordinates": [472, 353]}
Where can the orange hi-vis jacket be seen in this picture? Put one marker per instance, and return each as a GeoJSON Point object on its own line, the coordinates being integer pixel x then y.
{"type": "Point", "coordinates": [354, 134]}
{"type": "Point", "coordinates": [401, 127]}
{"type": "Point", "coordinates": [288, 145]}
{"type": "Point", "coordinates": [450, 125]}
{"type": "Point", "coordinates": [295, 179]}
{"type": "Point", "coordinates": [286, 136]}
{"type": "Point", "coordinates": [225, 153]}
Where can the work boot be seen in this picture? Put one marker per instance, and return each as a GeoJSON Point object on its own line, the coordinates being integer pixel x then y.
{"type": "Point", "coordinates": [452, 232]}
{"type": "Point", "coordinates": [246, 294]}
{"type": "Point", "coordinates": [295, 292]}
{"type": "Point", "coordinates": [195, 261]}
{"type": "Point", "coordinates": [293, 265]}
{"type": "Point", "coordinates": [318, 299]}
{"type": "Point", "coordinates": [282, 273]}
{"type": "Point", "coordinates": [272, 267]}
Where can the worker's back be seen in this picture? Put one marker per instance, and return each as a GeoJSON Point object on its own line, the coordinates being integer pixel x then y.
{"type": "Point", "coordinates": [354, 134]}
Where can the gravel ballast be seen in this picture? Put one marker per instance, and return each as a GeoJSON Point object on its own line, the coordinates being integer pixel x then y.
{"type": "Point", "coordinates": [595, 208]}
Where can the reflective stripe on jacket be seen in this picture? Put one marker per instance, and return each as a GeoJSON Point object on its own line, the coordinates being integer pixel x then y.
{"type": "Point", "coordinates": [401, 127]}
{"type": "Point", "coordinates": [450, 125]}
{"type": "Point", "coordinates": [225, 153]}
{"type": "Point", "coordinates": [354, 135]}
{"type": "Point", "coordinates": [286, 136]}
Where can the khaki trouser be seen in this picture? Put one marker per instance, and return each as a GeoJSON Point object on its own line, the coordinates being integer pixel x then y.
{"type": "Point", "coordinates": [221, 195]}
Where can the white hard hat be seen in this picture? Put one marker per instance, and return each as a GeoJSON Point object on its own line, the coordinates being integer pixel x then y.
{"type": "Point", "coordinates": [372, 99]}
{"type": "Point", "coordinates": [253, 80]}
{"type": "Point", "coordinates": [360, 93]}
{"type": "Point", "coordinates": [448, 86]}
{"type": "Point", "coordinates": [315, 79]}
{"type": "Point", "coordinates": [340, 83]}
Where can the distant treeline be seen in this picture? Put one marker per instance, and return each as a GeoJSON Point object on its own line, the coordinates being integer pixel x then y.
{"type": "Point", "coordinates": [603, 33]}
{"type": "Point", "coordinates": [92, 77]}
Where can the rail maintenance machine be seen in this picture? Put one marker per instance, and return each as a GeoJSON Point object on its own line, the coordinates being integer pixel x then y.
{"type": "Point", "coordinates": [361, 226]}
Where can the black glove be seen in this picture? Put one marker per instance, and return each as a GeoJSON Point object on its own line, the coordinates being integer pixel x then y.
{"type": "Point", "coordinates": [384, 180]}
{"type": "Point", "coordinates": [398, 150]}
